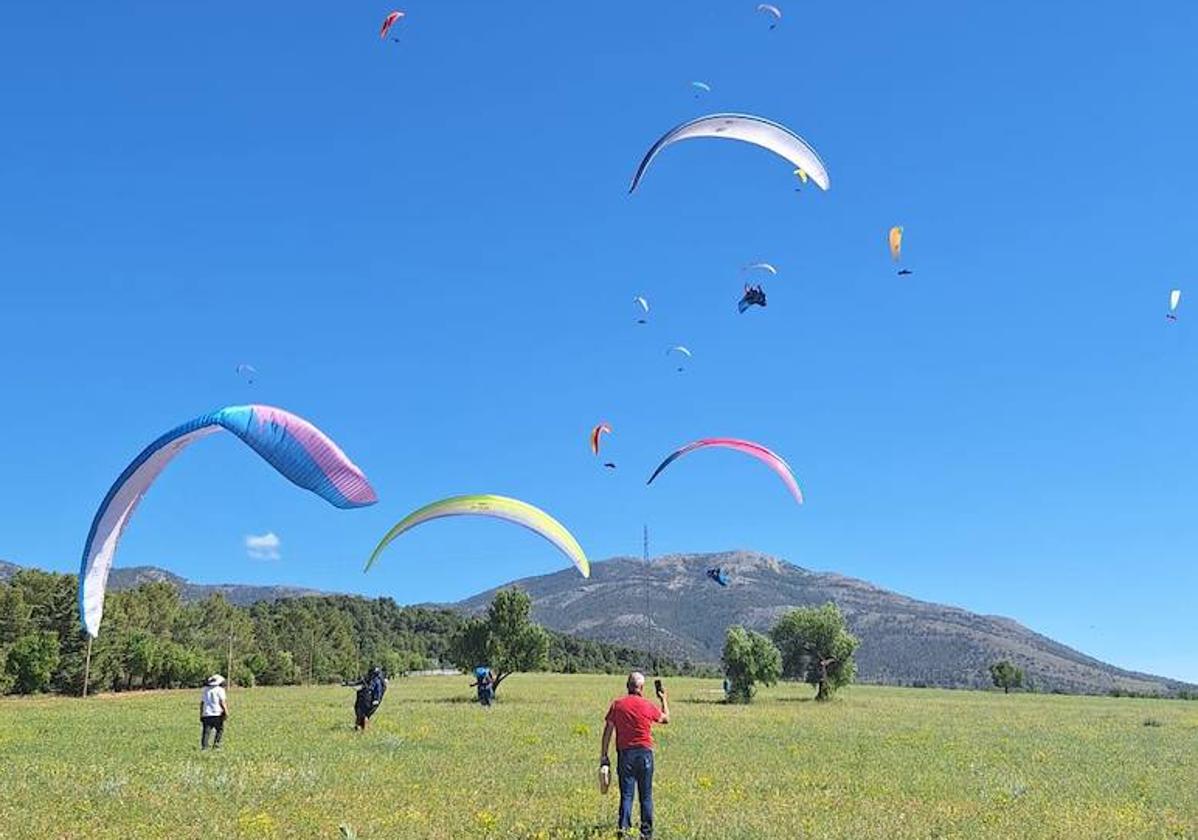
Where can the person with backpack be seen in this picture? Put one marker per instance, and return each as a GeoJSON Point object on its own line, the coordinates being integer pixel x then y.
{"type": "Point", "coordinates": [369, 696]}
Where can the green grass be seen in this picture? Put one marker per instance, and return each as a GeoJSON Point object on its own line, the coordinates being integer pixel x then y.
{"type": "Point", "coordinates": [877, 762]}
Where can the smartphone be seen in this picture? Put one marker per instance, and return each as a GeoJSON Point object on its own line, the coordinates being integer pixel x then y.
{"type": "Point", "coordinates": [657, 687]}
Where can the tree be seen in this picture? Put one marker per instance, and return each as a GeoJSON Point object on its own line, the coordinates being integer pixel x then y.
{"type": "Point", "coordinates": [1006, 676]}
{"type": "Point", "coordinates": [31, 662]}
{"type": "Point", "coordinates": [749, 658]}
{"type": "Point", "coordinates": [817, 648]}
{"type": "Point", "coordinates": [506, 640]}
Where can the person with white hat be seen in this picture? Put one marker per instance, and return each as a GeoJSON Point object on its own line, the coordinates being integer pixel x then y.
{"type": "Point", "coordinates": [213, 711]}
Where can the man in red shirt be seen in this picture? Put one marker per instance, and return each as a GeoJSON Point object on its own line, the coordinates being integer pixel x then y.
{"type": "Point", "coordinates": [631, 717]}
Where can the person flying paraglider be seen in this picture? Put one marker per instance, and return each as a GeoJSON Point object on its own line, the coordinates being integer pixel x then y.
{"type": "Point", "coordinates": [718, 575]}
{"type": "Point", "coordinates": [754, 296]}
{"type": "Point", "coordinates": [369, 697]}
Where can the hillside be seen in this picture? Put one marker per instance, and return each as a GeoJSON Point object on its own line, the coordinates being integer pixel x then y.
{"type": "Point", "coordinates": [236, 593]}
{"type": "Point", "coordinates": [903, 641]}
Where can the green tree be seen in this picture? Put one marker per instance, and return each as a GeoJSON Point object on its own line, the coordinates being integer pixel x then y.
{"type": "Point", "coordinates": [507, 640]}
{"type": "Point", "coordinates": [15, 614]}
{"type": "Point", "coordinates": [749, 658]}
{"type": "Point", "coordinates": [817, 647]}
{"type": "Point", "coordinates": [1006, 676]}
{"type": "Point", "coordinates": [31, 662]}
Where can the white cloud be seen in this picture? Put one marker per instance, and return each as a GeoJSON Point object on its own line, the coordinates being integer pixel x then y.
{"type": "Point", "coordinates": [264, 546]}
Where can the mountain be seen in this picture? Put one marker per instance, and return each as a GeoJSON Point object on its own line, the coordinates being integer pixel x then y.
{"type": "Point", "coordinates": [236, 593]}
{"type": "Point", "coordinates": [903, 641]}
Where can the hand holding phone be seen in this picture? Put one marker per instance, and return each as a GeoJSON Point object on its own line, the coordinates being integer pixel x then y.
{"type": "Point", "coordinates": [657, 687]}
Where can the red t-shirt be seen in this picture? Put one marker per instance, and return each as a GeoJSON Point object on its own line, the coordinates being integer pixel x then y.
{"type": "Point", "coordinates": [632, 716]}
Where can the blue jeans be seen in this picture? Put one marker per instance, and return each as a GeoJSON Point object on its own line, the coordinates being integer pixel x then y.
{"type": "Point", "coordinates": [635, 770]}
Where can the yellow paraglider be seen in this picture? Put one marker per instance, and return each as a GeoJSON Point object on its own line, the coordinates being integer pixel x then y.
{"type": "Point", "coordinates": [896, 242]}
{"type": "Point", "coordinates": [496, 507]}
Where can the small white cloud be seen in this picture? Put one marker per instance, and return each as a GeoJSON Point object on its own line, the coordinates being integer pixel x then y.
{"type": "Point", "coordinates": [264, 546]}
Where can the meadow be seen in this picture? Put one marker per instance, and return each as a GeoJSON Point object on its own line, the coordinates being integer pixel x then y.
{"type": "Point", "coordinates": [875, 762]}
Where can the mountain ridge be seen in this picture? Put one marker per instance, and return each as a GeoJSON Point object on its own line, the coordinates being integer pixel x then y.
{"type": "Point", "coordinates": [673, 608]}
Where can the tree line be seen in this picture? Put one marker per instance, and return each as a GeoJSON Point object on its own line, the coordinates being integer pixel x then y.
{"type": "Point", "coordinates": [150, 638]}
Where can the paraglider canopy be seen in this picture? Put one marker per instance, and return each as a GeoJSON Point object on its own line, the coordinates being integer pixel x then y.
{"type": "Point", "coordinates": [388, 22]}
{"type": "Point", "coordinates": [756, 131]}
{"type": "Point", "coordinates": [302, 453]}
{"type": "Point", "coordinates": [643, 305]}
{"type": "Point", "coordinates": [748, 447]}
{"type": "Point", "coordinates": [771, 10]}
{"type": "Point", "coordinates": [496, 507]}
{"type": "Point", "coordinates": [896, 243]}
{"type": "Point", "coordinates": [762, 266]}
{"type": "Point", "coordinates": [601, 429]}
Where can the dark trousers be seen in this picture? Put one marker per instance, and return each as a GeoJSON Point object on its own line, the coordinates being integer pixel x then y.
{"type": "Point", "coordinates": [635, 769]}
{"type": "Point", "coordinates": [211, 723]}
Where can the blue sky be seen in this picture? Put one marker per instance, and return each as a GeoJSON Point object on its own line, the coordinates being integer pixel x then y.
{"type": "Point", "coordinates": [427, 249]}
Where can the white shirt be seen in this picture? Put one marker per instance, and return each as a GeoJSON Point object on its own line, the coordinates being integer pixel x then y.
{"type": "Point", "coordinates": [211, 699]}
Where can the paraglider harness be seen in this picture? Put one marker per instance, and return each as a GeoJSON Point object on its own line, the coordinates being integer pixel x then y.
{"type": "Point", "coordinates": [754, 296]}
{"type": "Point", "coordinates": [485, 683]}
{"type": "Point", "coordinates": [370, 694]}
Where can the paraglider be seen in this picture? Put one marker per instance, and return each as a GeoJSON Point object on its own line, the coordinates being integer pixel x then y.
{"type": "Point", "coordinates": [802, 176]}
{"type": "Point", "coordinates": [682, 351]}
{"type": "Point", "coordinates": [896, 242]}
{"type": "Point", "coordinates": [609, 465]}
{"type": "Point", "coordinates": [762, 266]}
{"type": "Point", "coordinates": [247, 372]}
{"type": "Point", "coordinates": [771, 10]}
{"type": "Point", "coordinates": [496, 507]}
{"type": "Point", "coordinates": [700, 88]}
{"type": "Point", "coordinates": [293, 446]}
{"type": "Point", "coordinates": [388, 22]}
{"type": "Point", "coordinates": [601, 429]}
{"type": "Point", "coordinates": [754, 296]}
{"type": "Point", "coordinates": [718, 575]}
{"type": "Point", "coordinates": [756, 450]}
{"type": "Point", "coordinates": [903, 272]}
{"type": "Point", "coordinates": [640, 301]}
{"type": "Point", "coordinates": [756, 131]}
{"type": "Point", "coordinates": [1174, 302]}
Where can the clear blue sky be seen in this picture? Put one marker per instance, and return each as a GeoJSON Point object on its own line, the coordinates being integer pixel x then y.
{"type": "Point", "coordinates": [427, 249]}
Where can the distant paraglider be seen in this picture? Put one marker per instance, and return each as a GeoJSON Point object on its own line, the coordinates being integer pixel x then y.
{"type": "Point", "coordinates": [1174, 302]}
{"type": "Point", "coordinates": [718, 575]}
{"type": "Point", "coordinates": [496, 507]}
{"type": "Point", "coordinates": [293, 446]}
{"type": "Point", "coordinates": [773, 11]}
{"type": "Point", "coordinates": [388, 22]}
{"type": "Point", "coordinates": [643, 305]}
{"type": "Point", "coordinates": [700, 88]}
{"type": "Point", "coordinates": [601, 429]}
{"type": "Point", "coordinates": [895, 240]}
{"type": "Point", "coordinates": [756, 450]}
{"type": "Point", "coordinates": [682, 351]}
{"type": "Point", "coordinates": [754, 296]}
{"type": "Point", "coordinates": [247, 372]}
{"type": "Point", "coordinates": [903, 272]}
{"type": "Point", "coordinates": [747, 128]}
{"type": "Point", "coordinates": [609, 465]}
{"type": "Point", "coordinates": [762, 266]}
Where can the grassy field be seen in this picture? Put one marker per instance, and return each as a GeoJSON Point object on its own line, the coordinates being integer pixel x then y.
{"type": "Point", "coordinates": [877, 762]}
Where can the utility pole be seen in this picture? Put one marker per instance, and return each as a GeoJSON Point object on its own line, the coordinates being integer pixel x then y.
{"type": "Point", "coordinates": [648, 620]}
{"type": "Point", "coordinates": [87, 666]}
{"type": "Point", "coordinates": [229, 670]}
